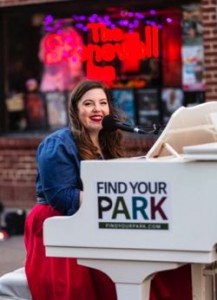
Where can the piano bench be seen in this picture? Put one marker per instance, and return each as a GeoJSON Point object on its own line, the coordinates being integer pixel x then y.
{"type": "Point", "coordinates": [14, 285]}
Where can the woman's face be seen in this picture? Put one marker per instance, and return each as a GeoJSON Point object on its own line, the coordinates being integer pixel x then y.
{"type": "Point", "coordinates": [92, 107]}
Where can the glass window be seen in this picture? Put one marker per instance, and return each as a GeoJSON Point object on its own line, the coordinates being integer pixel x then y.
{"type": "Point", "coordinates": [145, 51]}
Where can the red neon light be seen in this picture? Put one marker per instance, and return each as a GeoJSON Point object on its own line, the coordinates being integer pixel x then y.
{"type": "Point", "coordinates": [148, 41]}
{"type": "Point", "coordinates": [106, 52]}
{"type": "Point", "coordinates": [133, 52]}
{"type": "Point", "coordinates": [124, 44]}
{"type": "Point", "coordinates": [107, 73]}
{"type": "Point", "coordinates": [58, 47]}
{"type": "Point", "coordinates": [53, 47]}
{"type": "Point", "coordinates": [155, 41]}
{"type": "Point", "coordinates": [101, 34]}
{"type": "Point", "coordinates": [107, 45]}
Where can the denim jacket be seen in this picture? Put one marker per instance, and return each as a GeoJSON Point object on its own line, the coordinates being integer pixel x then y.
{"type": "Point", "coordinates": [58, 181]}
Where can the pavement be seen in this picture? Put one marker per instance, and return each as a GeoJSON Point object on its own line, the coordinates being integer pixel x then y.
{"type": "Point", "coordinates": [12, 254]}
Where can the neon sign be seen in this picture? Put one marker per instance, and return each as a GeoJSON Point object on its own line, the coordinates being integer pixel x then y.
{"type": "Point", "coordinates": [106, 48]}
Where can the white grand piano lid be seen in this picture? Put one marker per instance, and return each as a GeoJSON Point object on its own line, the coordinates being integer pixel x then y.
{"type": "Point", "coordinates": [188, 126]}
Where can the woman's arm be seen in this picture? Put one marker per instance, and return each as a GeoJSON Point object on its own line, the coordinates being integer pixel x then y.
{"type": "Point", "coordinates": [59, 174]}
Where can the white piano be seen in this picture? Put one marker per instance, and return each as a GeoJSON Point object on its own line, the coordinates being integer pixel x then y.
{"type": "Point", "coordinates": [144, 215]}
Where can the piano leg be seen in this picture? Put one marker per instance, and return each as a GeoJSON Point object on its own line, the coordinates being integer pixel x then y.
{"type": "Point", "coordinates": [132, 278]}
{"type": "Point", "coordinates": [203, 282]}
{"type": "Point", "coordinates": [133, 291]}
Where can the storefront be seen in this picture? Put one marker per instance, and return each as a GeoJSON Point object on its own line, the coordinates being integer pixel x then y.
{"type": "Point", "coordinates": [155, 56]}
{"type": "Point", "coordinates": [152, 57]}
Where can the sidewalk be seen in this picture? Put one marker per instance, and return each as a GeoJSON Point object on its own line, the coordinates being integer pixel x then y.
{"type": "Point", "coordinates": [12, 254]}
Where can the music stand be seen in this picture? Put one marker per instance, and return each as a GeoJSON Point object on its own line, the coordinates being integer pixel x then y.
{"type": "Point", "coordinates": [187, 126]}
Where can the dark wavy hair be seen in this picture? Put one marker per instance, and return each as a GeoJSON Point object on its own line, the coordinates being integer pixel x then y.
{"type": "Point", "coordinates": [110, 142]}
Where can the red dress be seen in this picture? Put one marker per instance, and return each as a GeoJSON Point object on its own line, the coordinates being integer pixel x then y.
{"type": "Point", "coordinates": [51, 278]}
{"type": "Point", "coordinates": [172, 285]}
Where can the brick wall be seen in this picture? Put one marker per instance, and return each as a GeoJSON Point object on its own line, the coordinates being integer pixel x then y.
{"type": "Point", "coordinates": [209, 15]}
{"type": "Point", "coordinates": [17, 171]}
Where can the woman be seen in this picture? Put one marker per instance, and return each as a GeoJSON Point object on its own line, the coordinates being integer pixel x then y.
{"type": "Point", "coordinates": [59, 192]}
